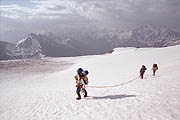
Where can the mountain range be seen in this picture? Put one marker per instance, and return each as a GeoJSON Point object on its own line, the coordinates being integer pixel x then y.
{"type": "Point", "coordinates": [86, 43]}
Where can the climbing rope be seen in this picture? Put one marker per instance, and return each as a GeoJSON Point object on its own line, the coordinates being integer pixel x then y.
{"type": "Point", "coordinates": [113, 85]}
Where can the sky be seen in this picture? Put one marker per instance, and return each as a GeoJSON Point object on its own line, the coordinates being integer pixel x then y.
{"type": "Point", "coordinates": [21, 17]}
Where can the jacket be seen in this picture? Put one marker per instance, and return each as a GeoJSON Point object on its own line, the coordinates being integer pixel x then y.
{"type": "Point", "coordinates": [79, 81]}
{"type": "Point", "coordinates": [142, 70]}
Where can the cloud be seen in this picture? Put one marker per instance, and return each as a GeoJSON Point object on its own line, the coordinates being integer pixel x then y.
{"type": "Point", "coordinates": [73, 13]}
{"type": "Point", "coordinates": [101, 10]}
{"type": "Point", "coordinates": [41, 9]}
{"type": "Point", "coordinates": [58, 7]}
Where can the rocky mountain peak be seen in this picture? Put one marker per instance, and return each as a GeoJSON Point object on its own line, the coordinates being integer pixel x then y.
{"type": "Point", "coordinates": [91, 42]}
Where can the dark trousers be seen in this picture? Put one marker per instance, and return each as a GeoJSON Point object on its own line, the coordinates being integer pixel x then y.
{"type": "Point", "coordinates": [142, 74]}
{"type": "Point", "coordinates": [79, 90]}
{"type": "Point", "coordinates": [154, 71]}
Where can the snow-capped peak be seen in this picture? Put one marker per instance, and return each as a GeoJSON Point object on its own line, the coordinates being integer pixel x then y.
{"type": "Point", "coordinates": [145, 36]}
{"type": "Point", "coordinates": [20, 42]}
{"type": "Point", "coordinates": [28, 42]}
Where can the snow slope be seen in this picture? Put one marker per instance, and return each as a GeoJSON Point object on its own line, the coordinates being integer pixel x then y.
{"type": "Point", "coordinates": [51, 95]}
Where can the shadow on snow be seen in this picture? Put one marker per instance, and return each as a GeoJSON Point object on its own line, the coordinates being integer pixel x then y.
{"type": "Point", "coordinates": [112, 96]}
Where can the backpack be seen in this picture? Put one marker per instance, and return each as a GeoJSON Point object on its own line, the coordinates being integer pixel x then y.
{"type": "Point", "coordinates": [85, 79]}
{"type": "Point", "coordinates": [143, 69]}
{"type": "Point", "coordinates": [154, 65]}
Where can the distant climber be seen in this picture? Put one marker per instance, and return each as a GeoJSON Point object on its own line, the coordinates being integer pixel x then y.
{"type": "Point", "coordinates": [154, 69]}
{"type": "Point", "coordinates": [81, 81]}
{"type": "Point", "coordinates": [142, 71]}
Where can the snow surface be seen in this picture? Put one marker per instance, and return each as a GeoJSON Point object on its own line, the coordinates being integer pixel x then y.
{"type": "Point", "coordinates": [42, 95]}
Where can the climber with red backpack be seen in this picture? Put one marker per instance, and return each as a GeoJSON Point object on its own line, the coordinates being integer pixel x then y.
{"type": "Point", "coordinates": [154, 69]}
{"type": "Point", "coordinates": [81, 80]}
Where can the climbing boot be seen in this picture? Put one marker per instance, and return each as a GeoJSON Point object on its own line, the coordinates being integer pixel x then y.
{"type": "Point", "coordinates": [78, 98]}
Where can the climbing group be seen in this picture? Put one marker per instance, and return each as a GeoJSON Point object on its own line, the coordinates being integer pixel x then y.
{"type": "Point", "coordinates": [143, 69]}
{"type": "Point", "coordinates": [82, 80]}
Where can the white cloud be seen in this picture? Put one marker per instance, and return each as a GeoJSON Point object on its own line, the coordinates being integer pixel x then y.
{"type": "Point", "coordinates": [74, 13]}
{"type": "Point", "coordinates": [42, 9]}
{"type": "Point", "coordinates": [101, 10]}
